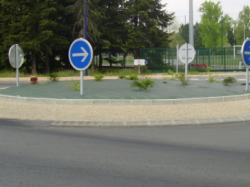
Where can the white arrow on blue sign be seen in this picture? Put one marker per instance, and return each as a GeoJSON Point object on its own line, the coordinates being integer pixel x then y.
{"type": "Point", "coordinates": [245, 52]}
{"type": "Point", "coordinates": [80, 54]}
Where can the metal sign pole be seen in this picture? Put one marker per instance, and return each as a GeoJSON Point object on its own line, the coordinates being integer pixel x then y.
{"type": "Point", "coordinates": [81, 82]}
{"type": "Point", "coordinates": [247, 78]}
{"type": "Point", "coordinates": [17, 66]}
{"type": "Point", "coordinates": [186, 65]}
{"type": "Point", "coordinates": [177, 58]}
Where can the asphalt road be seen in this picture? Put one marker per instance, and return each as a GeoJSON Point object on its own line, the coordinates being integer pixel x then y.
{"type": "Point", "coordinates": [34, 154]}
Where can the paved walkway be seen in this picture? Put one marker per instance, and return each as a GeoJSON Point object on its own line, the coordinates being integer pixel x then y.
{"type": "Point", "coordinates": [113, 103]}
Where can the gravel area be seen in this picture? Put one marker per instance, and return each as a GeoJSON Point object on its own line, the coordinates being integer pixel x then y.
{"type": "Point", "coordinates": [58, 112]}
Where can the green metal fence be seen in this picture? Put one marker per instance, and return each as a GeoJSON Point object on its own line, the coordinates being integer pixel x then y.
{"type": "Point", "coordinates": [219, 59]}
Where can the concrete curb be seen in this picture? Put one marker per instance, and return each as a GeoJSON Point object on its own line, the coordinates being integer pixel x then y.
{"type": "Point", "coordinates": [124, 101]}
{"type": "Point", "coordinates": [150, 123]}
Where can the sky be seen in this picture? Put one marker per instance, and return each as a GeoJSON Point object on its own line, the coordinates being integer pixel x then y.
{"type": "Point", "coordinates": [181, 8]}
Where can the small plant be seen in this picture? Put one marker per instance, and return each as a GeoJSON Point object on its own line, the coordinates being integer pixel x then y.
{"type": "Point", "coordinates": [75, 85]}
{"type": "Point", "coordinates": [53, 77]}
{"type": "Point", "coordinates": [132, 77]}
{"type": "Point", "coordinates": [170, 72]}
{"type": "Point", "coordinates": [98, 77]}
{"type": "Point", "coordinates": [212, 78]}
{"type": "Point", "coordinates": [122, 76]}
{"type": "Point", "coordinates": [208, 70]}
{"type": "Point", "coordinates": [143, 84]}
{"type": "Point", "coordinates": [229, 80]}
{"type": "Point", "coordinates": [181, 77]}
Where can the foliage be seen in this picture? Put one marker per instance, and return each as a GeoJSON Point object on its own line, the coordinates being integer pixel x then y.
{"type": "Point", "coordinates": [229, 80]}
{"type": "Point", "coordinates": [122, 76]}
{"type": "Point", "coordinates": [38, 26]}
{"type": "Point", "coordinates": [54, 77]}
{"type": "Point", "coordinates": [75, 85]}
{"type": "Point", "coordinates": [211, 78]}
{"type": "Point", "coordinates": [98, 77]}
{"type": "Point", "coordinates": [181, 77]}
{"type": "Point", "coordinates": [213, 24]}
{"type": "Point", "coordinates": [132, 77]}
{"type": "Point", "coordinates": [170, 72]}
{"type": "Point", "coordinates": [143, 84]}
{"type": "Point", "coordinates": [242, 25]}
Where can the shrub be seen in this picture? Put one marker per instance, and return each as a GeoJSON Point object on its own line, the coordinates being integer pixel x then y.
{"type": "Point", "coordinates": [75, 85]}
{"type": "Point", "coordinates": [132, 77]}
{"type": "Point", "coordinates": [53, 77]}
{"type": "Point", "coordinates": [170, 72]}
{"type": "Point", "coordinates": [229, 80]}
{"type": "Point", "coordinates": [143, 84]}
{"type": "Point", "coordinates": [212, 78]}
{"type": "Point", "coordinates": [122, 76]}
{"type": "Point", "coordinates": [181, 77]}
{"type": "Point", "coordinates": [98, 77]}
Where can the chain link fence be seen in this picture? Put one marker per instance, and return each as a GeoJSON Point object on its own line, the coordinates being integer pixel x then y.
{"type": "Point", "coordinates": [218, 59]}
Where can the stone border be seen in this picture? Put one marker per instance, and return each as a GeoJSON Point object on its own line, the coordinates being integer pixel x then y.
{"type": "Point", "coordinates": [124, 101]}
{"type": "Point", "coordinates": [150, 123]}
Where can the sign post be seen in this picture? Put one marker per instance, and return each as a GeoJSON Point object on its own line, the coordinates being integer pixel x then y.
{"type": "Point", "coordinates": [80, 56]}
{"type": "Point", "coordinates": [186, 55]}
{"type": "Point", "coordinates": [245, 52]}
{"type": "Point", "coordinates": [16, 58]}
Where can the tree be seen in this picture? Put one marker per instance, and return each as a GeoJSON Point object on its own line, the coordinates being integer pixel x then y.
{"type": "Point", "coordinates": [243, 25]}
{"type": "Point", "coordinates": [184, 32]}
{"type": "Point", "coordinates": [36, 25]}
{"type": "Point", "coordinates": [212, 25]}
{"type": "Point", "coordinates": [197, 36]}
{"type": "Point", "coordinates": [146, 24]}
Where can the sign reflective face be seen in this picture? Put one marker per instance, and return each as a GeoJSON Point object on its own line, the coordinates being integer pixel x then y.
{"type": "Point", "coordinates": [187, 53]}
{"type": "Point", "coordinates": [80, 54]}
{"type": "Point", "coordinates": [12, 55]}
{"type": "Point", "coordinates": [245, 52]}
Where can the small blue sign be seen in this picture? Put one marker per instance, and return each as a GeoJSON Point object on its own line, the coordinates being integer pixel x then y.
{"type": "Point", "coordinates": [245, 52]}
{"type": "Point", "coordinates": [80, 54]}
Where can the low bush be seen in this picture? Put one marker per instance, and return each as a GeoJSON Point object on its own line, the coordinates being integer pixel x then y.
{"type": "Point", "coordinates": [98, 77]}
{"type": "Point", "coordinates": [229, 80]}
{"type": "Point", "coordinates": [212, 78]}
{"type": "Point", "coordinates": [54, 77]}
{"type": "Point", "coordinates": [122, 76]}
{"type": "Point", "coordinates": [75, 85]}
{"type": "Point", "coordinates": [143, 84]}
{"type": "Point", "coordinates": [132, 77]}
{"type": "Point", "coordinates": [181, 77]}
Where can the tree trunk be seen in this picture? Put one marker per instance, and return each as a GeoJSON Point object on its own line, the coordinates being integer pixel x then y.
{"type": "Point", "coordinates": [33, 71]}
{"type": "Point", "coordinates": [27, 63]}
{"type": "Point", "coordinates": [100, 58]}
{"type": "Point", "coordinates": [47, 62]}
{"type": "Point", "coordinates": [136, 53]}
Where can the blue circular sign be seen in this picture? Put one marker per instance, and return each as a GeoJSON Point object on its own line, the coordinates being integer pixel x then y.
{"type": "Point", "coordinates": [80, 54]}
{"type": "Point", "coordinates": [245, 52]}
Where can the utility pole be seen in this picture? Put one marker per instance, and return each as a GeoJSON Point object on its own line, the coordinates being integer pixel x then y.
{"type": "Point", "coordinates": [85, 27]}
{"type": "Point", "coordinates": [191, 25]}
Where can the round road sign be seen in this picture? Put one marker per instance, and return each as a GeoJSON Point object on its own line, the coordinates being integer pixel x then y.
{"type": "Point", "coordinates": [12, 55]}
{"type": "Point", "coordinates": [245, 52]}
{"type": "Point", "coordinates": [186, 53]}
{"type": "Point", "coordinates": [80, 54]}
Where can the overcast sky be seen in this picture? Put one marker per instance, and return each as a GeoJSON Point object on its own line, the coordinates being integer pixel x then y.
{"type": "Point", "coordinates": [181, 8]}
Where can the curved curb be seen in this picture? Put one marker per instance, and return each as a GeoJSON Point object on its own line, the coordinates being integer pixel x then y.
{"type": "Point", "coordinates": [124, 101]}
{"type": "Point", "coordinates": [150, 123]}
